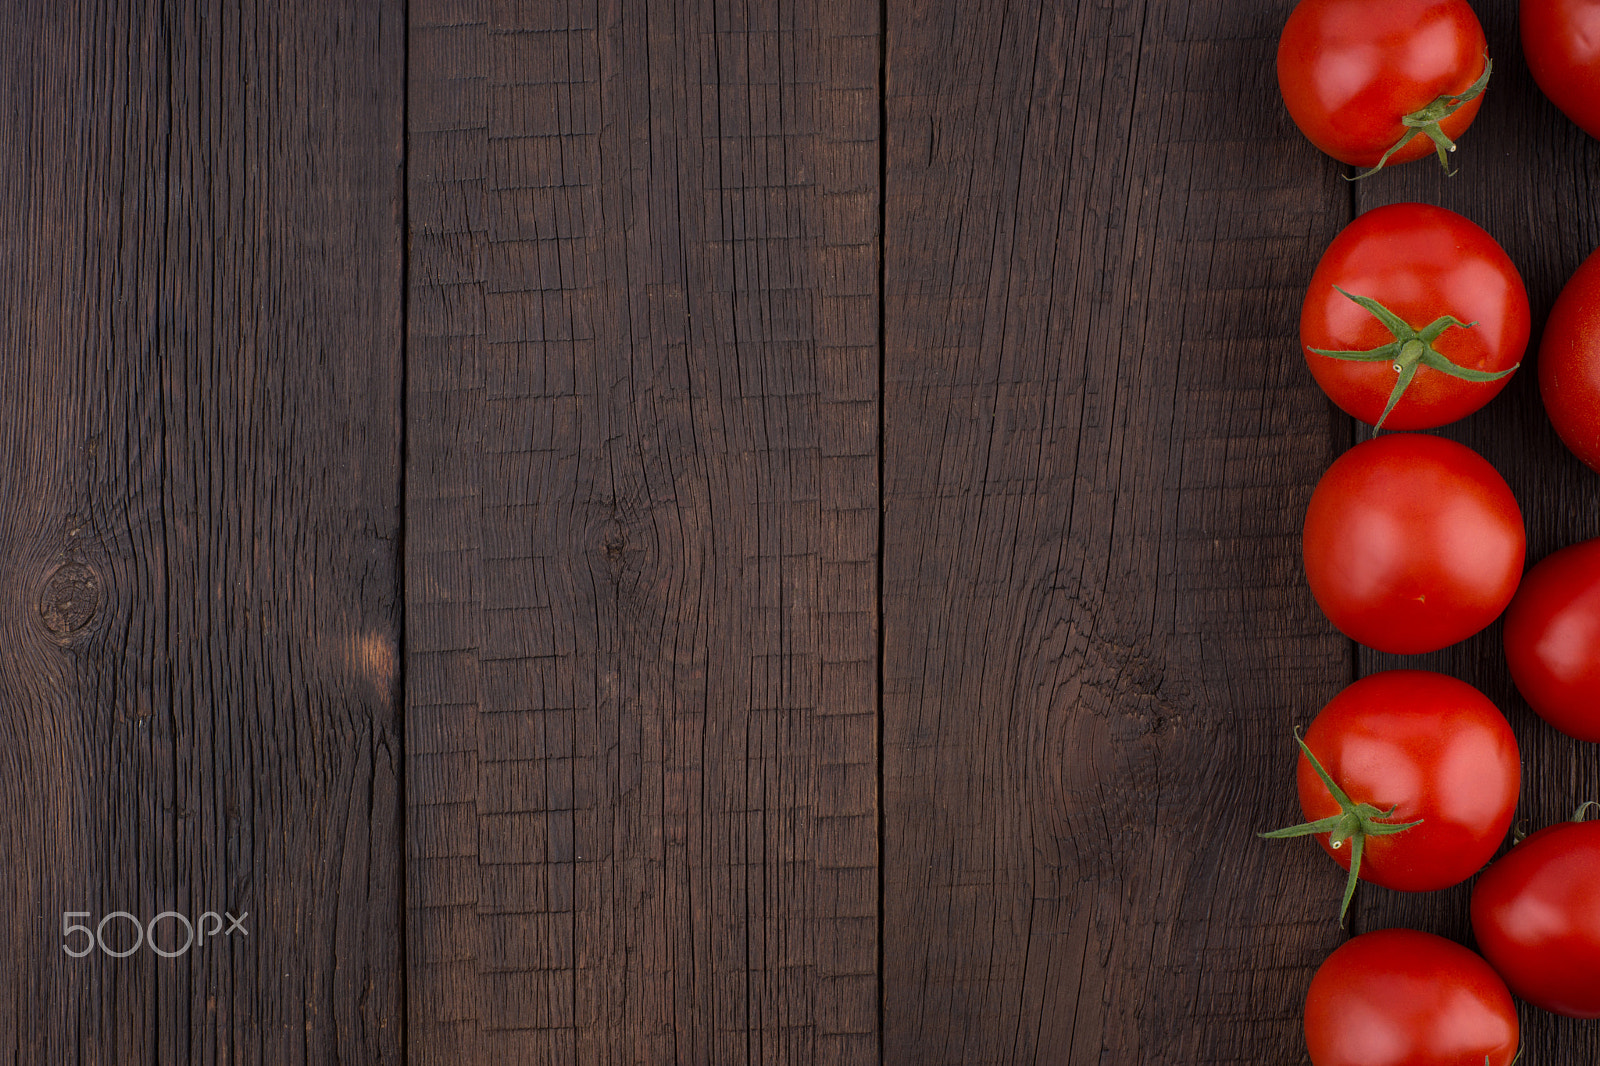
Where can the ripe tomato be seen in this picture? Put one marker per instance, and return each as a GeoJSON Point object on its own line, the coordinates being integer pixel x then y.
{"type": "Point", "coordinates": [1569, 363]}
{"type": "Point", "coordinates": [1415, 317]}
{"type": "Point", "coordinates": [1412, 543]}
{"type": "Point", "coordinates": [1388, 81]}
{"type": "Point", "coordinates": [1414, 747]}
{"type": "Point", "coordinates": [1561, 39]}
{"type": "Point", "coordinates": [1398, 997]}
{"type": "Point", "coordinates": [1552, 637]}
{"type": "Point", "coordinates": [1536, 916]}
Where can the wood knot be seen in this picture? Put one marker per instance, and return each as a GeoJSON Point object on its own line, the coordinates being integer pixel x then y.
{"type": "Point", "coordinates": [70, 599]}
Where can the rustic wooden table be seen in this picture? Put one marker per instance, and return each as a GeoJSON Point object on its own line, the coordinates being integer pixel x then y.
{"type": "Point", "coordinates": [700, 531]}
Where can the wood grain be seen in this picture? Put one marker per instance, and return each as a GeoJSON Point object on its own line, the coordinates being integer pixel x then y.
{"type": "Point", "coordinates": [818, 483]}
{"type": "Point", "coordinates": [1098, 441]}
{"type": "Point", "coordinates": [199, 521]}
{"type": "Point", "coordinates": [642, 487]}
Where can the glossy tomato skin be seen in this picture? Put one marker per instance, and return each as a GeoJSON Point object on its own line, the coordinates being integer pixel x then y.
{"type": "Point", "coordinates": [1431, 747]}
{"type": "Point", "coordinates": [1536, 918]}
{"type": "Point", "coordinates": [1349, 70]}
{"type": "Point", "coordinates": [1552, 638]}
{"type": "Point", "coordinates": [1412, 542]}
{"type": "Point", "coordinates": [1569, 363]}
{"type": "Point", "coordinates": [1399, 997]}
{"type": "Point", "coordinates": [1561, 40]}
{"type": "Point", "coordinates": [1420, 262]}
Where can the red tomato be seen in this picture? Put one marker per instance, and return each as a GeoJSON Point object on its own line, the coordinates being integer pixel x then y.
{"type": "Point", "coordinates": [1430, 747]}
{"type": "Point", "coordinates": [1552, 636]}
{"type": "Point", "coordinates": [1445, 285]}
{"type": "Point", "coordinates": [1561, 39]}
{"type": "Point", "coordinates": [1398, 997]}
{"type": "Point", "coordinates": [1412, 543]}
{"type": "Point", "coordinates": [1536, 916]}
{"type": "Point", "coordinates": [1569, 363]}
{"type": "Point", "coordinates": [1351, 70]}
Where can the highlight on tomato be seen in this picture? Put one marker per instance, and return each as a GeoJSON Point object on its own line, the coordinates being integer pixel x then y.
{"type": "Point", "coordinates": [1409, 780]}
{"type": "Point", "coordinates": [1561, 41]}
{"type": "Point", "coordinates": [1373, 83]}
{"type": "Point", "coordinates": [1415, 317]}
{"type": "Point", "coordinates": [1536, 917]}
{"type": "Point", "coordinates": [1569, 363]}
{"type": "Point", "coordinates": [1399, 997]}
{"type": "Point", "coordinates": [1552, 639]}
{"type": "Point", "coordinates": [1412, 543]}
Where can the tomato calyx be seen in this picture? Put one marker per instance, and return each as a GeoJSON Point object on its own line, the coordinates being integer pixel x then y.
{"type": "Point", "coordinates": [1410, 349]}
{"type": "Point", "coordinates": [1355, 822]}
{"type": "Point", "coordinates": [1520, 833]}
{"type": "Point", "coordinates": [1425, 122]}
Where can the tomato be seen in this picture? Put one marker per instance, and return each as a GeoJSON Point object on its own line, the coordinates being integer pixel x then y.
{"type": "Point", "coordinates": [1398, 997]}
{"type": "Point", "coordinates": [1353, 71]}
{"type": "Point", "coordinates": [1414, 317]}
{"type": "Point", "coordinates": [1569, 363]}
{"type": "Point", "coordinates": [1536, 917]}
{"type": "Point", "coordinates": [1412, 543]}
{"type": "Point", "coordinates": [1552, 638]}
{"type": "Point", "coordinates": [1561, 39]}
{"type": "Point", "coordinates": [1424, 773]}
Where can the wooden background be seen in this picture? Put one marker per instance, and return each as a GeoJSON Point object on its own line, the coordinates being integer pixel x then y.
{"type": "Point", "coordinates": [700, 531]}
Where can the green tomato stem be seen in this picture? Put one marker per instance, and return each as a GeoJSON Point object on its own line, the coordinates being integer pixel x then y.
{"type": "Point", "coordinates": [1355, 823]}
{"type": "Point", "coordinates": [1410, 349]}
{"type": "Point", "coordinates": [1425, 122]}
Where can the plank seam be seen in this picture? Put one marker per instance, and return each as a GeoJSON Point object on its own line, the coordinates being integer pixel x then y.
{"type": "Point", "coordinates": [883, 364]}
{"type": "Point", "coordinates": [402, 681]}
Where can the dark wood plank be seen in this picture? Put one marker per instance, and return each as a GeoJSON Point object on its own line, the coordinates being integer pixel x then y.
{"type": "Point", "coordinates": [447, 159]}
{"type": "Point", "coordinates": [199, 517]}
{"type": "Point", "coordinates": [1099, 440]}
{"type": "Point", "coordinates": [642, 488]}
{"type": "Point", "coordinates": [1527, 175]}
